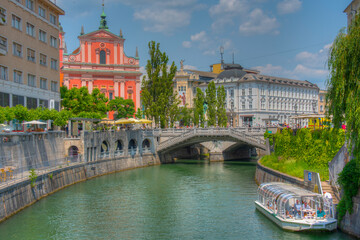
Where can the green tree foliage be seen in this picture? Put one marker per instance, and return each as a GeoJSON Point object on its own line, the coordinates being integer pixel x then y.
{"type": "Point", "coordinates": [21, 113]}
{"type": "Point", "coordinates": [211, 101]}
{"type": "Point", "coordinates": [124, 108]}
{"type": "Point", "coordinates": [78, 100]}
{"type": "Point", "coordinates": [139, 114]}
{"type": "Point", "coordinates": [62, 118]}
{"type": "Point", "coordinates": [199, 108]}
{"type": "Point", "coordinates": [186, 116]}
{"type": "Point", "coordinates": [220, 110]}
{"type": "Point", "coordinates": [343, 99]}
{"type": "Point", "coordinates": [158, 97]}
{"type": "Point", "coordinates": [307, 149]}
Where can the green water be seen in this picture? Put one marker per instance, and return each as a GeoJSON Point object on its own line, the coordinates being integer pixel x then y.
{"type": "Point", "coordinates": [188, 200]}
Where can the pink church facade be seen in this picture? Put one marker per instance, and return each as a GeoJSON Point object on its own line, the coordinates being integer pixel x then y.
{"type": "Point", "coordinates": [100, 62]}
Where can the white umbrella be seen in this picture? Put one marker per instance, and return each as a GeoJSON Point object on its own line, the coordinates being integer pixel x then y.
{"type": "Point", "coordinates": [34, 122]}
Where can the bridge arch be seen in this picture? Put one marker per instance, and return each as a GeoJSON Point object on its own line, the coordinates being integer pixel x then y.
{"type": "Point", "coordinates": [105, 147]}
{"type": "Point", "coordinates": [119, 145]}
{"type": "Point", "coordinates": [132, 144]}
{"type": "Point", "coordinates": [73, 153]}
{"type": "Point", "coordinates": [146, 143]}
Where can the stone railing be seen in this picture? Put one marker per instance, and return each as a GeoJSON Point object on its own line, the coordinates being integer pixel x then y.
{"type": "Point", "coordinates": [16, 137]}
{"type": "Point", "coordinates": [230, 133]}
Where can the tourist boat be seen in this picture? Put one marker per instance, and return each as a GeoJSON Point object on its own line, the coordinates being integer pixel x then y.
{"type": "Point", "coordinates": [295, 209]}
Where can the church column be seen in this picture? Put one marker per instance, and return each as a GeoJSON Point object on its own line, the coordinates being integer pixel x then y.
{"type": "Point", "coordinates": [116, 87]}
{"type": "Point", "coordinates": [83, 82]}
{"type": "Point", "coordinates": [97, 52]}
{"type": "Point", "coordinates": [122, 88]}
{"type": "Point", "coordinates": [137, 92]}
{"type": "Point", "coordinates": [115, 53]}
{"type": "Point", "coordinates": [83, 52]}
{"type": "Point", "coordinates": [107, 56]}
{"type": "Point", "coordinates": [121, 54]}
{"type": "Point", "coordinates": [66, 81]}
{"type": "Point", "coordinates": [89, 52]}
{"type": "Point", "coordinates": [90, 86]}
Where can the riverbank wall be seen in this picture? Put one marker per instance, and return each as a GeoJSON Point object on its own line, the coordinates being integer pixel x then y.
{"type": "Point", "coordinates": [20, 195]}
{"type": "Point", "coordinates": [351, 222]}
{"type": "Point", "coordinates": [264, 174]}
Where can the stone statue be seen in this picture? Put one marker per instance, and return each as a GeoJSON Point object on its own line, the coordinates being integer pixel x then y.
{"type": "Point", "coordinates": [182, 64]}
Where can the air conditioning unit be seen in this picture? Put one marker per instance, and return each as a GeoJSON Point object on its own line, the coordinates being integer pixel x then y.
{"type": "Point", "coordinates": [52, 104]}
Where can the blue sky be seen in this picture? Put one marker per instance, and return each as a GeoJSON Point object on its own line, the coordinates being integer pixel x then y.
{"type": "Point", "coordinates": [285, 38]}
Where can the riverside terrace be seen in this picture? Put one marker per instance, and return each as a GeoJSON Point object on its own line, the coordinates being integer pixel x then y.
{"type": "Point", "coordinates": [47, 151]}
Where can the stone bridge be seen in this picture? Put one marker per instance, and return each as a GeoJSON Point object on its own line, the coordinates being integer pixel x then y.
{"type": "Point", "coordinates": [199, 135]}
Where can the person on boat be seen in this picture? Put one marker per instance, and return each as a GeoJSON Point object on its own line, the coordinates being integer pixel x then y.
{"type": "Point", "coordinates": [288, 215]}
{"type": "Point", "coordinates": [320, 213]}
{"type": "Point", "coordinates": [298, 208]}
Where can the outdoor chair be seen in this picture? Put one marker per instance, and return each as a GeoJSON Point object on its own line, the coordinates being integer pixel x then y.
{"type": "Point", "coordinates": [2, 175]}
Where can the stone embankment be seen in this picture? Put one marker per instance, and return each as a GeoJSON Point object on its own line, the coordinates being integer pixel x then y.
{"type": "Point", "coordinates": [16, 197]}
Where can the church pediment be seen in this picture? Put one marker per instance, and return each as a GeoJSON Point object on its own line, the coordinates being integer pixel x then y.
{"type": "Point", "coordinates": [103, 34]}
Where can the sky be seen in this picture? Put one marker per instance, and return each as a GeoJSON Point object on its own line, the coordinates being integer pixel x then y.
{"type": "Point", "coordinates": [283, 38]}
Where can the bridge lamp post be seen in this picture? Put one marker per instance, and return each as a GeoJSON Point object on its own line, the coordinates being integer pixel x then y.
{"type": "Point", "coordinates": [231, 112]}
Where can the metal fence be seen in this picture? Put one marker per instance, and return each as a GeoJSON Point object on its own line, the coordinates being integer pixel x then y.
{"type": "Point", "coordinates": [14, 170]}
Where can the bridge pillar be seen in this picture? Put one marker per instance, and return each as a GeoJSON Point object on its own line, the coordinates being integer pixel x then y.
{"type": "Point", "coordinates": [216, 157]}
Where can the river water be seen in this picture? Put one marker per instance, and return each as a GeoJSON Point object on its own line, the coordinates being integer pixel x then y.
{"type": "Point", "coordinates": [187, 200]}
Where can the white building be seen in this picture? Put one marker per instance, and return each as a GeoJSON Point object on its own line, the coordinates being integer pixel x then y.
{"type": "Point", "coordinates": [258, 100]}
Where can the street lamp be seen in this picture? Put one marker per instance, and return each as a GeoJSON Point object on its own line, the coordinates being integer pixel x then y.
{"type": "Point", "coordinates": [231, 111]}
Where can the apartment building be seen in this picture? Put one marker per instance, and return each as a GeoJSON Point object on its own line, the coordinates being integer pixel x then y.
{"type": "Point", "coordinates": [29, 53]}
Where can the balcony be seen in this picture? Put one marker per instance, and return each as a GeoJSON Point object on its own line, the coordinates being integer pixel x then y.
{"type": "Point", "coordinates": [3, 49]}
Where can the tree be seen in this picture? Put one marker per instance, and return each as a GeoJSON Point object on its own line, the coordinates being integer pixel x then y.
{"type": "Point", "coordinates": [21, 113]}
{"type": "Point", "coordinates": [186, 116]}
{"type": "Point", "coordinates": [124, 108]}
{"type": "Point", "coordinates": [343, 100]}
{"type": "Point", "coordinates": [78, 100]}
{"type": "Point", "coordinates": [62, 118]}
{"type": "Point", "coordinates": [211, 101]}
{"type": "Point", "coordinates": [139, 114]}
{"type": "Point", "coordinates": [158, 97]}
{"type": "Point", "coordinates": [221, 111]}
{"type": "Point", "coordinates": [199, 108]}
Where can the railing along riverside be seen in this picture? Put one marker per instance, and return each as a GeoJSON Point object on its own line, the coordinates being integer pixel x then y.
{"type": "Point", "coordinates": [337, 187]}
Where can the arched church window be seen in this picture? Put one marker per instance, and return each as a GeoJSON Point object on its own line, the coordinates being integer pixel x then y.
{"type": "Point", "coordinates": [102, 57]}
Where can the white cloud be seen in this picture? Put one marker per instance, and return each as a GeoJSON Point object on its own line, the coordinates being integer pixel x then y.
{"type": "Point", "coordinates": [199, 37]}
{"type": "Point", "coordinates": [209, 52]}
{"type": "Point", "coordinates": [143, 71]}
{"type": "Point", "coordinates": [224, 12]}
{"type": "Point", "coordinates": [190, 67]}
{"type": "Point", "coordinates": [259, 23]}
{"type": "Point", "coordinates": [163, 20]}
{"type": "Point", "coordinates": [288, 6]}
{"type": "Point", "coordinates": [186, 44]}
{"type": "Point", "coordinates": [314, 59]}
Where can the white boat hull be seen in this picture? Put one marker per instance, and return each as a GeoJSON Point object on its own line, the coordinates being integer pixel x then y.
{"type": "Point", "coordinates": [298, 225]}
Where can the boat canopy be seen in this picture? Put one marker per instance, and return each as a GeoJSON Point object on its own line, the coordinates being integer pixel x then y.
{"type": "Point", "coordinates": [291, 202]}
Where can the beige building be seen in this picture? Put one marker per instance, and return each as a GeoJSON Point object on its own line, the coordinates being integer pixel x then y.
{"type": "Point", "coordinates": [322, 101]}
{"type": "Point", "coordinates": [351, 10]}
{"type": "Point", "coordinates": [29, 53]}
{"type": "Point", "coordinates": [186, 82]}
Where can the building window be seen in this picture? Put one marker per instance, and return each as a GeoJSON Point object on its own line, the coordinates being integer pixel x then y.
{"type": "Point", "coordinates": [17, 50]}
{"type": "Point", "coordinates": [43, 103]}
{"type": "Point", "coordinates": [17, 76]}
{"type": "Point", "coordinates": [30, 29]}
{"type": "Point", "coordinates": [102, 57]}
{"type": "Point", "coordinates": [54, 86]}
{"type": "Point", "coordinates": [3, 43]}
{"type": "Point", "coordinates": [57, 106]}
{"type": "Point", "coordinates": [42, 36]}
{"type": "Point", "coordinates": [53, 42]}
{"type": "Point", "coordinates": [262, 105]}
{"type": "Point", "coordinates": [43, 83]}
{"type": "Point", "coordinates": [31, 80]}
{"type": "Point", "coordinates": [243, 91]}
{"type": "Point", "coordinates": [110, 96]}
{"type": "Point", "coordinates": [54, 64]}
{"type": "Point", "coordinates": [250, 91]}
{"type": "Point", "coordinates": [43, 59]}
{"type": "Point", "coordinates": [30, 4]}
{"type": "Point", "coordinates": [232, 93]}
{"type": "Point", "coordinates": [4, 99]}
{"type": "Point", "coordinates": [243, 105]}
{"type": "Point", "coordinates": [31, 103]}
{"type": "Point", "coordinates": [321, 108]}
{"type": "Point", "coordinates": [3, 73]}
{"type": "Point", "coordinates": [17, 100]}
{"type": "Point", "coordinates": [42, 12]}
{"type": "Point", "coordinates": [30, 55]}
{"type": "Point", "coordinates": [3, 15]}
{"type": "Point", "coordinates": [16, 22]}
{"type": "Point", "coordinates": [250, 105]}
{"type": "Point", "coordinates": [53, 19]}
{"type": "Point", "coordinates": [321, 99]}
